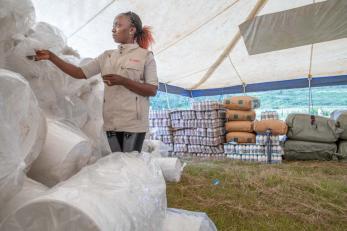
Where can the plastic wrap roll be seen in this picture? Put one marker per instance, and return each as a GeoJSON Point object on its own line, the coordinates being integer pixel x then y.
{"type": "Point", "coordinates": [22, 131]}
{"type": "Point", "coordinates": [172, 168]}
{"type": "Point", "coordinates": [64, 153]}
{"type": "Point", "coordinates": [124, 192]}
{"type": "Point", "coordinates": [183, 220]}
{"type": "Point", "coordinates": [16, 18]}
{"type": "Point", "coordinates": [156, 148]}
{"type": "Point", "coordinates": [30, 190]}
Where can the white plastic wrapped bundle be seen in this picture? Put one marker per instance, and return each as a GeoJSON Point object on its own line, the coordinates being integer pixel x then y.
{"type": "Point", "coordinates": [172, 168]}
{"type": "Point", "coordinates": [16, 17]}
{"type": "Point", "coordinates": [49, 36]}
{"type": "Point", "coordinates": [156, 148]}
{"type": "Point", "coordinates": [183, 220]}
{"type": "Point", "coordinates": [30, 190]}
{"type": "Point", "coordinates": [56, 91]}
{"type": "Point", "coordinates": [22, 131]}
{"type": "Point", "coordinates": [64, 153]}
{"type": "Point", "coordinates": [93, 97]}
{"type": "Point", "coordinates": [119, 192]}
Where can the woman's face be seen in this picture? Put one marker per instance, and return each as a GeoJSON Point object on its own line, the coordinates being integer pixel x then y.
{"type": "Point", "coordinates": [122, 31]}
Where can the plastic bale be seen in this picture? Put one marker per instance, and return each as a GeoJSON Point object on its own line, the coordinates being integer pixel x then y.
{"type": "Point", "coordinates": [122, 191]}
{"type": "Point", "coordinates": [30, 190]}
{"type": "Point", "coordinates": [172, 168]}
{"type": "Point", "coordinates": [64, 153]}
{"type": "Point", "coordinates": [183, 220]}
{"type": "Point", "coordinates": [22, 132]}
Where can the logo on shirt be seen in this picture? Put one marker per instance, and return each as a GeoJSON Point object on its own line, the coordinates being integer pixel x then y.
{"type": "Point", "coordinates": [134, 60]}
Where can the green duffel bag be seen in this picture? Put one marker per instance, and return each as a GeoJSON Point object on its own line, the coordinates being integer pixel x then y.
{"type": "Point", "coordinates": [303, 150]}
{"type": "Point", "coordinates": [340, 116]}
{"type": "Point", "coordinates": [312, 128]}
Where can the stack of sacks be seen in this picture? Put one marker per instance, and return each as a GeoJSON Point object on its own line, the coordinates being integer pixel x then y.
{"type": "Point", "coordinates": [310, 137]}
{"type": "Point", "coordinates": [241, 114]}
{"type": "Point", "coordinates": [183, 220]}
{"type": "Point", "coordinates": [340, 116]}
{"type": "Point", "coordinates": [64, 153]}
{"type": "Point", "coordinates": [171, 167]}
{"type": "Point", "coordinates": [119, 192]}
{"type": "Point", "coordinates": [30, 190]}
{"type": "Point", "coordinates": [22, 132]}
{"type": "Point", "coordinates": [61, 97]}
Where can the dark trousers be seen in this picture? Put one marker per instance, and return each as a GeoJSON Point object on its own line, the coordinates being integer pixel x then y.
{"type": "Point", "coordinates": [125, 141]}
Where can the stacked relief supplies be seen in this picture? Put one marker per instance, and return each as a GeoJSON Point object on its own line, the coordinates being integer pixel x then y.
{"type": "Point", "coordinates": [240, 133]}
{"type": "Point", "coordinates": [161, 128]}
{"type": "Point", "coordinates": [340, 116]}
{"type": "Point", "coordinates": [311, 137]}
{"type": "Point", "coordinates": [240, 115]}
{"type": "Point", "coordinates": [199, 132]}
{"type": "Point", "coordinates": [51, 129]}
{"type": "Point", "coordinates": [270, 132]}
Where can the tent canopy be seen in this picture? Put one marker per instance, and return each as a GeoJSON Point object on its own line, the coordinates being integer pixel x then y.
{"type": "Point", "coordinates": [199, 48]}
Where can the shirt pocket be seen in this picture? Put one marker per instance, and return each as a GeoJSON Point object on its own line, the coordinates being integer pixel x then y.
{"type": "Point", "coordinates": [133, 71]}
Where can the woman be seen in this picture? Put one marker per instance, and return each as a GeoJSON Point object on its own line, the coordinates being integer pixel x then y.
{"type": "Point", "coordinates": [130, 78]}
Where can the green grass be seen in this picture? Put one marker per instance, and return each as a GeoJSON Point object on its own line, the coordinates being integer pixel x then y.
{"type": "Point", "coordinates": [289, 196]}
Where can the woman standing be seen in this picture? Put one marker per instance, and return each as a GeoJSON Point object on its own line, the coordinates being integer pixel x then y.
{"type": "Point", "coordinates": [130, 78]}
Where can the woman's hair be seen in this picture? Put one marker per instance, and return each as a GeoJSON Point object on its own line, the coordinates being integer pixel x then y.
{"type": "Point", "coordinates": [143, 35]}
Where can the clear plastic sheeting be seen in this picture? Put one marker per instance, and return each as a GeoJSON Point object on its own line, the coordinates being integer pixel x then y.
{"type": "Point", "coordinates": [119, 192]}
{"type": "Point", "coordinates": [156, 148]}
{"type": "Point", "coordinates": [16, 17]}
{"type": "Point", "coordinates": [63, 98]}
{"type": "Point", "coordinates": [54, 89]}
{"type": "Point", "coordinates": [183, 220]}
{"type": "Point", "coordinates": [30, 190]}
{"type": "Point", "coordinates": [64, 153]}
{"type": "Point", "coordinates": [172, 168]}
{"type": "Point", "coordinates": [22, 131]}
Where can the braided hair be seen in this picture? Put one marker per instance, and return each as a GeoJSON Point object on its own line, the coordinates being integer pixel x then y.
{"type": "Point", "coordinates": [143, 35]}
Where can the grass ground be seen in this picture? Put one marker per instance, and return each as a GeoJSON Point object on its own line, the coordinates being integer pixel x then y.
{"type": "Point", "coordinates": [250, 196]}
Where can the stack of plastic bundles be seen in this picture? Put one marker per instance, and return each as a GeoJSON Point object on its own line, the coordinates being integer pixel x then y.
{"type": "Point", "coordinates": [161, 128]}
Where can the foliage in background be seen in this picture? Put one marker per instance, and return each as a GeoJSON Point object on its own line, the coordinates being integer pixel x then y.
{"type": "Point", "coordinates": [325, 100]}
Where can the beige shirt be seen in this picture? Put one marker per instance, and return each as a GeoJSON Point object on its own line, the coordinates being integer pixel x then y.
{"type": "Point", "coordinates": [123, 109]}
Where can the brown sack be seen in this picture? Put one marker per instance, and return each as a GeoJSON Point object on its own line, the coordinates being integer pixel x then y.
{"type": "Point", "coordinates": [239, 126]}
{"type": "Point", "coordinates": [278, 127]}
{"type": "Point", "coordinates": [237, 115]}
{"type": "Point", "coordinates": [244, 103]}
{"type": "Point", "coordinates": [241, 137]}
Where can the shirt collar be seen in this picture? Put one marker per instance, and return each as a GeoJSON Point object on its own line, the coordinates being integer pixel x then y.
{"type": "Point", "coordinates": [128, 46]}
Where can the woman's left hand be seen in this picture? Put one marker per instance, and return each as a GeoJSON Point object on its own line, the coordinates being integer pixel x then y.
{"type": "Point", "coordinates": [111, 80]}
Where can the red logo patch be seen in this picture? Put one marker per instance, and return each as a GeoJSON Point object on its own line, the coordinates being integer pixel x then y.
{"type": "Point", "coordinates": [134, 60]}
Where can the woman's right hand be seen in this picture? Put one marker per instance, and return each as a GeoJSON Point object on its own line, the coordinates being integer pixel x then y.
{"type": "Point", "coordinates": [42, 55]}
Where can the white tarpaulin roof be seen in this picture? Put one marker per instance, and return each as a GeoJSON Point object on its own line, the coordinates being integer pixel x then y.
{"type": "Point", "coordinates": [192, 35]}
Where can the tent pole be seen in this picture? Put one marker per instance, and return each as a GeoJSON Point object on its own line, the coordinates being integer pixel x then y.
{"type": "Point", "coordinates": [260, 4]}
